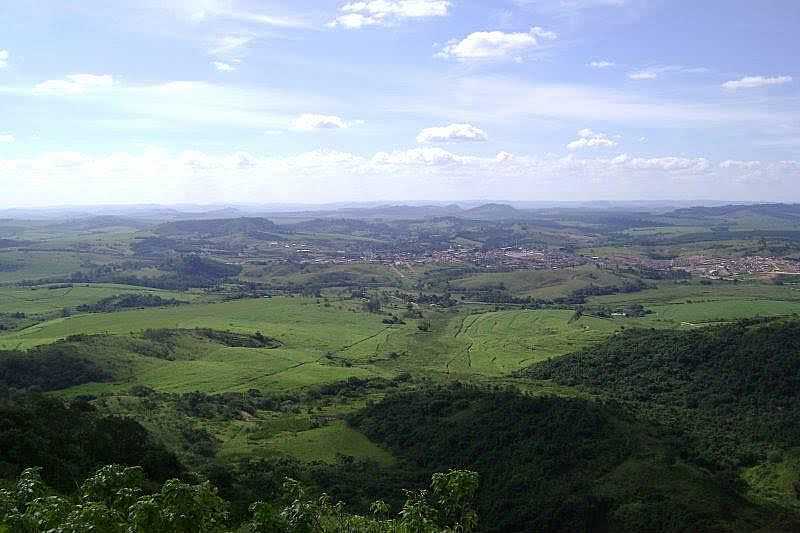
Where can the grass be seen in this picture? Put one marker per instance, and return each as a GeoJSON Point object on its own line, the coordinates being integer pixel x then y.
{"type": "Point", "coordinates": [542, 283]}
{"type": "Point", "coordinates": [719, 310]}
{"type": "Point", "coordinates": [327, 443]}
{"type": "Point", "coordinates": [505, 341]}
{"type": "Point", "coordinates": [490, 344]}
{"type": "Point", "coordinates": [321, 343]}
{"type": "Point", "coordinates": [42, 299]}
{"type": "Point", "coordinates": [689, 304]}
{"type": "Point", "coordinates": [300, 323]}
{"type": "Point", "coordinates": [774, 481]}
{"type": "Point", "coordinates": [676, 293]}
{"type": "Point", "coordinates": [19, 265]}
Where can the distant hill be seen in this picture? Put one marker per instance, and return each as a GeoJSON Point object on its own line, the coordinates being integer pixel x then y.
{"type": "Point", "coordinates": [216, 227]}
{"type": "Point", "coordinates": [489, 211]}
{"type": "Point", "coordinates": [790, 211]}
{"type": "Point", "coordinates": [492, 211]}
{"type": "Point", "coordinates": [348, 226]}
{"type": "Point", "coordinates": [12, 243]}
{"type": "Point", "coordinates": [101, 222]}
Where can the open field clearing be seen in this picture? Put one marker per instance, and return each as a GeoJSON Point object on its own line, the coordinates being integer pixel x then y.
{"type": "Point", "coordinates": [682, 305]}
{"type": "Point", "coordinates": [719, 311]}
{"type": "Point", "coordinates": [542, 283]}
{"type": "Point", "coordinates": [505, 341]}
{"type": "Point", "coordinates": [17, 265]}
{"type": "Point", "coordinates": [43, 299]}
{"type": "Point", "coordinates": [676, 293]}
{"type": "Point", "coordinates": [298, 322]}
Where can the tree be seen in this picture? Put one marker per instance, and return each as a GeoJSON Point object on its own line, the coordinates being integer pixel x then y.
{"type": "Point", "coordinates": [112, 501]}
{"type": "Point", "coordinates": [374, 304]}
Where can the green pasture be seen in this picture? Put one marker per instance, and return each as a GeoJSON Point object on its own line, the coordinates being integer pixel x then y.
{"type": "Point", "coordinates": [481, 344]}
{"type": "Point", "coordinates": [678, 293]}
{"type": "Point", "coordinates": [18, 265]}
{"type": "Point", "coordinates": [43, 298]}
{"type": "Point", "coordinates": [682, 314]}
{"type": "Point", "coordinates": [677, 305]}
{"type": "Point", "coordinates": [327, 443]}
{"type": "Point", "coordinates": [505, 341]}
{"type": "Point", "coordinates": [298, 322]}
{"type": "Point", "coordinates": [542, 283]}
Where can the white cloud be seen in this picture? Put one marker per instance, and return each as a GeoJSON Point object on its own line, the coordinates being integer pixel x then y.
{"type": "Point", "coordinates": [425, 157]}
{"type": "Point", "coordinates": [452, 133]}
{"type": "Point", "coordinates": [502, 100]}
{"type": "Point", "coordinates": [4, 55]}
{"type": "Point", "coordinates": [590, 139]}
{"type": "Point", "coordinates": [652, 73]}
{"type": "Point", "coordinates": [496, 45]}
{"type": "Point", "coordinates": [643, 75]}
{"type": "Point", "coordinates": [503, 157]}
{"type": "Point", "coordinates": [75, 84]}
{"type": "Point", "coordinates": [191, 105]}
{"type": "Point", "coordinates": [317, 122]}
{"type": "Point", "coordinates": [199, 11]}
{"type": "Point", "coordinates": [359, 14]}
{"type": "Point", "coordinates": [7, 138]}
{"type": "Point", "coordinates": [225, 67]}
{"type": "Point", "coordinates": [156, 175]}
{"type": "Point", "coordinates": [230, 45]}
{"type": "Point", "coordinates": [602, 64]}
{"type": "Point", "coordinates": [753, 82]}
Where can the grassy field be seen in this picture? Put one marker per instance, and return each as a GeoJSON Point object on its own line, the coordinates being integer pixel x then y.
{"type": "Point", "coordinates": [677, 293]}
{"type": "Point", "coordinates": [486, 344]}
{"type": "Point", "coordinates": [327, 443]}
{"type": "Point", "coordinates": [43, 299]}
{"type": "Point", "coordinates": [327, 341]}
{"type": "Point", "coordinates": [308, 330]}
{"type": "Point", "coordinates": [17, 265]}
{"type": "Point", "coordinates": [323, 343]}
{"type": "Point", "coordinates": [298, 322]}
{"type": "Point", "coordinates": [688, 304]}
{"type": "Point", "coordinates": [699, 312]}
{"type": "Point", "coordinates": [542, 283]}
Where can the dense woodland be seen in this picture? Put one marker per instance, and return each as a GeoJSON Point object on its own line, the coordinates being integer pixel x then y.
{"type": "Point", "coordinates": [733, 391]}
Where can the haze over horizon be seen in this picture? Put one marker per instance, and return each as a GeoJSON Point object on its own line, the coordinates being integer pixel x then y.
{"type": "Point", "coordinates": [261, 102]}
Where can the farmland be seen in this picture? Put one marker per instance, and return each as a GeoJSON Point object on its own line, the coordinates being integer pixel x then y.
{"type": "Point", "coordinates": [287, 341]}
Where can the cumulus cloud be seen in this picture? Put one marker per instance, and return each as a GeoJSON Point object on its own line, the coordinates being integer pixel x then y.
{"type": "Point", "coordinates": [75, 84]}
{"type": "Point", "coordinates": [426, 157]}
{"type": "Point", "coordinates": [602, 64]}
{"type": "Point", "coordinates": [7, 138]}
{"type": "Point", "coordinates": [503, 157]}
{"type": "Point", "coordinates": [452, 133]}
{"type": "Point", "coordinates": [4, 55]}
{"type": "Point", "coordinates": [753, 82]}
{"type": "Point", "coordinates": [317, 122]}
{"type": "Point", "coordinates": [590, 139]}
{"type": "Point", "coordinates": [496, 45]}
{"type": "Point", "coordinates": [360, 14]}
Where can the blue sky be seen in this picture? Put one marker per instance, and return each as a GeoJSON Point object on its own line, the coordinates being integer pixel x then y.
{"type": "Point", "coordinates": [317, 101]}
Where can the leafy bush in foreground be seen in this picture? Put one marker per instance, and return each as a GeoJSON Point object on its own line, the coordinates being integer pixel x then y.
{"type": "Point", "coordinates": [113, 501]}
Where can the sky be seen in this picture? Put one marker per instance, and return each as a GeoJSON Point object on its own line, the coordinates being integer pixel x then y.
{"type": "Point", "coordinates": [260, 101]}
